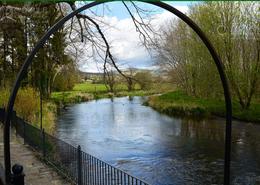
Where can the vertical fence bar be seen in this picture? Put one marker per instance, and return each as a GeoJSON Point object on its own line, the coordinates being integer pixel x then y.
{"type": "Point", "coordinates": [24, 135]}
{"type": "Point", "coordinates": [104, 173]}
{"type": "Point", "coordinates": [88, 169]}
{"type": "Point", "coordinates": [83, 169]}
{"type": "Point", "coordinates": [109, 177]}
{"type": "Point", "coordinates": [114, 175]}
{"type": "Point", "coordinates": [94, 170]}
{"type": "Point", "coordinates": [98, 174]}
{"type": "Point", "coordinates": [14, 122]}
{"type": "Point", "coordinates": [79, 166]}
{"type": "Point", "coordinates": [121, 177]}
{"type": "Point", "coordinates": [117, 176]}
{"type": "Point", "coordinates": [43, 144]}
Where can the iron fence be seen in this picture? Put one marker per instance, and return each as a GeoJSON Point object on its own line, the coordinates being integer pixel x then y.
{"type": "Point", "coordinates": [77, 166]}
{"type": "Point", "coordinates": [2, 115]}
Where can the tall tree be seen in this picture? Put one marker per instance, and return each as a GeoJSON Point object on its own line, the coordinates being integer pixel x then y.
{"type": "Point", "coordinates": [233, 27]}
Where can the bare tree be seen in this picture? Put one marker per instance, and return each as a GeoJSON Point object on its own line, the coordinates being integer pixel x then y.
{"type": "Point", "coordinates": [100, 43]}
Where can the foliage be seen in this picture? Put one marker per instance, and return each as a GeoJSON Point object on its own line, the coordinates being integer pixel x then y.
{"type": "Point", "coordinates": [27, 106]}
{"type": "Point", "coordinates": [66, 78]}
{"type": "Point", "coordinates": [69, 97]}
{"type": "Point", "coordinates": [144, 79]}
{"type": "Point", "coordinates": [20, 30]}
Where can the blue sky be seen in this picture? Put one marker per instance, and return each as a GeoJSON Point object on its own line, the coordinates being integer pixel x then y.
{"type": "Point", "coordinates": [116, 6]}
{"type": "Point", "coordinates": [123, 36]}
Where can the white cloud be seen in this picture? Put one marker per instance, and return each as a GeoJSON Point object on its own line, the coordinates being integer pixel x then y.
{"type": "Point", "coordinates": [125, 43]}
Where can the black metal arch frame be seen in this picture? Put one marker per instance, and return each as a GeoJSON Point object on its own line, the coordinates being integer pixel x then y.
{"type": "Point", "coordinates": [61, 22]}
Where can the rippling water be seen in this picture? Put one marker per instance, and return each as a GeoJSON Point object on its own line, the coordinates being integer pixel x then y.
{"type": "Point", "coordinates": [157, 148]}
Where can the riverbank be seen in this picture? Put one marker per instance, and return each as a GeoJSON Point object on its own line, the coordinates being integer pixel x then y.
{"type": "Point", "coordinates": [87, 91]}
{"type": "Point", "coordinates": [72, 97]}
{"type": "Point", "coordinates": [179, 104]}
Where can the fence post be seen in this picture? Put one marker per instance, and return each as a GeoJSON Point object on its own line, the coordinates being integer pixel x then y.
{"type": "Point", "coordinates": [18, 175]}
{"type": "Point", "coordinates": [79, 166]}
{"type": "Point", "coordinates": [43, 144]}
{"type": "Point", "coordinates": [14, 122]}
{"type": "Point", "coordinates": [24, 133]}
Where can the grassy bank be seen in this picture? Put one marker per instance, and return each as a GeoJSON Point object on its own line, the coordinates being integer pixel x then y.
{"type": "Point", "coordinates": [87, 91]}
{"type": "Point", "coordinates": [179, 104]}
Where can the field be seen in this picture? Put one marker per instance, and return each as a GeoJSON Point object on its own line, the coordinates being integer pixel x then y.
{"type": "Point", "coordinates": [99, 88]}
{"type": "Point", "coordinates": [88, 91]}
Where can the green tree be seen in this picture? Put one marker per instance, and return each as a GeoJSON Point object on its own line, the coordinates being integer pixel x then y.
{"type": "Point", "coordinates": [233, 28]}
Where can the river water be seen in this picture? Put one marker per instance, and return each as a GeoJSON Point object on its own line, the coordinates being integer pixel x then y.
{"type": "Point", "coordinates": [159, 149]}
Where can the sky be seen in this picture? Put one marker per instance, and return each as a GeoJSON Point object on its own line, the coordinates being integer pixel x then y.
{"type": "Point", "coordinates": [122, 35]}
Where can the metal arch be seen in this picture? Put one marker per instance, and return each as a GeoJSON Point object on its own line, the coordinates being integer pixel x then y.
{"type": "Point", "coordinates": [61, 22]}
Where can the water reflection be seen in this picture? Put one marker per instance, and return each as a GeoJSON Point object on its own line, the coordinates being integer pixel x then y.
{"type": "Point", "coordinates": [157, 148]}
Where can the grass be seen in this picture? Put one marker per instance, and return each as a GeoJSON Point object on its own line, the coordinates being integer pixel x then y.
{"type": "Point", "coordinates": [88, 91]}
{"type": "Point", "coordinates": [70, 97]}
{"type": "Point", "coordinates": [99, 88]}
{"type": "Point", "coordinates": [90, 88]}
{"type": "Point", "coordinates": [179, 104]}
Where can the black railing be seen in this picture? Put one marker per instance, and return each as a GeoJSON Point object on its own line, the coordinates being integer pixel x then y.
{"type": "Point", "coordinates": [77, 166]}
{"type": "Point", "coordinates": [2, 115]}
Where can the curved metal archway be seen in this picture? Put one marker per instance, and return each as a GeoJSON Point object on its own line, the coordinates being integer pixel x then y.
{"type": "Point", "coordinates": [61, 22]}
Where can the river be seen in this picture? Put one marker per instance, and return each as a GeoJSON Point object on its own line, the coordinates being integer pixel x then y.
{"type": "Point", "coordinates": [157, 148]}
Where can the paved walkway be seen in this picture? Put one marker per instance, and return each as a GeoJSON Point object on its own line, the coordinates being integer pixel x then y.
{"type": "Point", "coordinates": [37, 173]}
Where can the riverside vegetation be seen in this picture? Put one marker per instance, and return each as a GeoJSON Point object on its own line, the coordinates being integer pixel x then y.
{"type": "Point", "coordinates": [178, 103]}
{"type": "Point", "coordinates": [232, 27]}
{"type": "Point", "coordinates": [89, 91]}
{"type": "Point", "coordinates": [27, 106]}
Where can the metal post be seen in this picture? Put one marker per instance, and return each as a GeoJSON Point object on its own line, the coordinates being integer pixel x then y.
{"type": "Point", "coordinates": [79, 166]}
{"type": "Point", "coordinates": [18, 175]}
{"type": "Point", "coordinates": [43, 144]}
{"type": "Point", "coordinates": [24, 133]}
{"type": "Point", "coordinates": [41, 106]}
{"type": "Point", "coordinates": [14, 122]}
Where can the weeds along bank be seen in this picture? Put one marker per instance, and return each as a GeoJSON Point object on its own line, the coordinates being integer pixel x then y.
{"type": "Point", "coordinates": [27, 106]}
{"type": "Point", "coordinates": [178, 103]}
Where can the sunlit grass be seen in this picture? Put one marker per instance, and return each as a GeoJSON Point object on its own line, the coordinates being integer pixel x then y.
{"type": "Point", "coordinates": [99, 88]}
